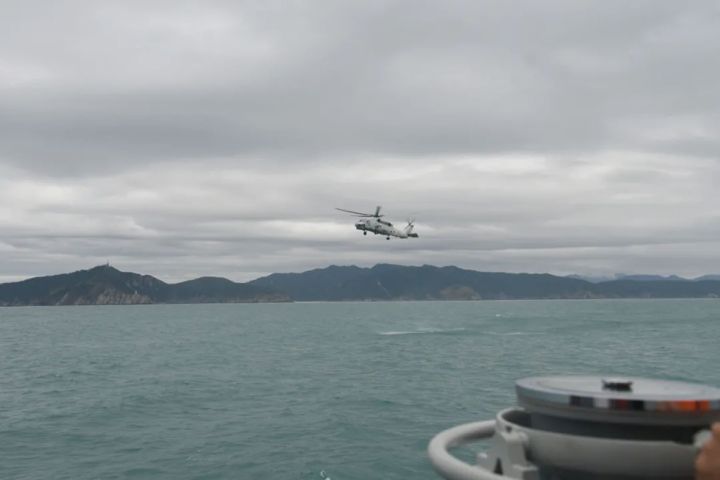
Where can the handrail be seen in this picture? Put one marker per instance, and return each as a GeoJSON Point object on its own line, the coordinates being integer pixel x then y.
{"type": "Point", "coordinates": [642, 458]}
{"type": "Point", "coordinates": [451, 467]}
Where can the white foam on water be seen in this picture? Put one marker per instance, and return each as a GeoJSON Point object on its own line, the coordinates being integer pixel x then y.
{"type": "Point", "coordinates": [422, 331]}
{"type": "Point", "coordinates": [511, 334]}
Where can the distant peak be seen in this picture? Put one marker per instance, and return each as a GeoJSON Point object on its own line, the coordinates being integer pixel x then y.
{"type": "Point", "coordinates": [104, 267]}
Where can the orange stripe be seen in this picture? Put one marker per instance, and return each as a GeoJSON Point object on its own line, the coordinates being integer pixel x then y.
{"type": "Point", "coordinates": [683, 405]}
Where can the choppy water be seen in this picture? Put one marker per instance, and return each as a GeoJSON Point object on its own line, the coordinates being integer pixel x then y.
{"type": "Point", "coordinates": [288, 391]}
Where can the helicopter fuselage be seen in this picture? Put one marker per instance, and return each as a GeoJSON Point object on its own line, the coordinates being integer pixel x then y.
{"type": "Point", "coordinates": [381, 227]}
{"type": "Point", "coordinates": [372, 222]}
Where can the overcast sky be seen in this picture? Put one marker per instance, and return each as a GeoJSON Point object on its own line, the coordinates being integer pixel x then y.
{"type": "Point", "coordinates": [189, 138]}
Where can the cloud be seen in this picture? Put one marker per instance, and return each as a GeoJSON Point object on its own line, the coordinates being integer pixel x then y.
{"type": "Point", "coordinates": [217, 137]}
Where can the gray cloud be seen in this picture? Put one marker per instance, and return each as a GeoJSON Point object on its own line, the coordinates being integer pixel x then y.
{"type": "Point", "coordinates": [216, 137]}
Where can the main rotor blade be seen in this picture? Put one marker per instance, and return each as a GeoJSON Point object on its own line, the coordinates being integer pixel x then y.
{"type": "Point", "coordinates": [355, 213]}
{"type": "Point", "coordinates": [360, 214]}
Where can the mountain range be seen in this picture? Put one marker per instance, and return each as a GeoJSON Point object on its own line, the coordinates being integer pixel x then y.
{"type": "Point", "coordinates": [643, 278]}
{"type": "Point", "coordinates": [105, 285]}
{"type": "Point", "coordinates": [394, 282]}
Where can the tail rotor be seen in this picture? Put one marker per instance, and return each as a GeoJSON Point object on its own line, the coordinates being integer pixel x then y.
{"type": "Point", "coordinates": [409, 228]}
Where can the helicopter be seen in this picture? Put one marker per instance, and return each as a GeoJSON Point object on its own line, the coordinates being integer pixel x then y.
{"type": "Point", "coordinates": [371, 222]}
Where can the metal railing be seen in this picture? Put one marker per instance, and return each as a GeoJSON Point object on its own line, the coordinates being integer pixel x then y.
{"type": "Point", "coordinates": [451, 467]}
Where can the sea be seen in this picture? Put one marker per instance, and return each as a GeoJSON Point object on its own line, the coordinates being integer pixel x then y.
{"type": "Point", "coordinates": [304, 390]}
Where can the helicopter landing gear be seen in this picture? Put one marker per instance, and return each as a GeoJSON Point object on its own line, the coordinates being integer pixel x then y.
{"type": "Point", "coordinates": [364, 233]}
{"type": "Point", "coordinates": [387, 238]}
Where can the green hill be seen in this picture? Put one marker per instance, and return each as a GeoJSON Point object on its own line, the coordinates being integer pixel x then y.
{"type": "Point", "coordinates": [106, 285]}
{"type": "Point", "coordinates": [394, 282]}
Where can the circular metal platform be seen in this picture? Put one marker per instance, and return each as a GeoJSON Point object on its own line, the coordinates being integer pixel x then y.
{"type": "Point", "coordinates": [620, 400]}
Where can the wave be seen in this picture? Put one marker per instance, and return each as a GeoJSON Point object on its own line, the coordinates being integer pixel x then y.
{"type": "Point", "coordinates": [511, 334]}
{"type": "Point", "coordinates": [422, 331]}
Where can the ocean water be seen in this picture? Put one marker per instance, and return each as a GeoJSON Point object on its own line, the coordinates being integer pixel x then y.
{"type": "Point", "coordinates": [287, 391]}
